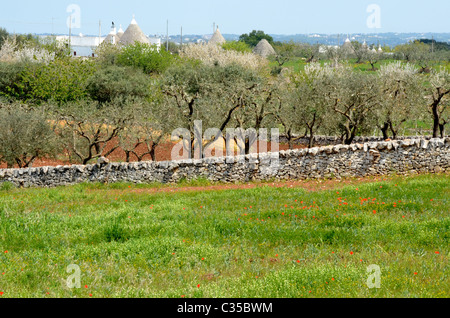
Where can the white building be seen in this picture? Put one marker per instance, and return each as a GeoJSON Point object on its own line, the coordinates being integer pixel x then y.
{"type": "Point", "coordinates": [85, 45]}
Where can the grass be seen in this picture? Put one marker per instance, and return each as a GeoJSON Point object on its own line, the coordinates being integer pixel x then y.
{"type": "Point", "coordinates": [261, 242]}
{"type": "Point", "coordinates": [298, 64]}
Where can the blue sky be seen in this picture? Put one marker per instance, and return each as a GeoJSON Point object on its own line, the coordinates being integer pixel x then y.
{"type": "Point", "coordinates": [232, 16]}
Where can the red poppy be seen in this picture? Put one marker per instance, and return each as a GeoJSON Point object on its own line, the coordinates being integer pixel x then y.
{"type": "Point", "coordinates": [85, 286]}
{"type": "Point", "coordinates": [198, 286]}
{"type": "Point", "coordinates": [351, 253]}
{"type": "Point", "coordinates": [90, 295]}
{"type": "Point", "coordinates": [6, 251]}
{"type": "Point", "coordinates": [437, 252]}
{"type": "Point", "coordinates": [1, 293]}
{"type": "Point", "coordinates": [415, 273]}
{"type": "Point", "coordinates": [374, 212]}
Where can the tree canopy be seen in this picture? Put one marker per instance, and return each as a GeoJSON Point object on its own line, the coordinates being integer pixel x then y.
{"type": "Point", "coordinates": [253, 38]}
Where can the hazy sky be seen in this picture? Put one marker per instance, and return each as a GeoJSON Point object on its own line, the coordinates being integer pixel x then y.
{"type": "Point", "coordinates": [232, 16]}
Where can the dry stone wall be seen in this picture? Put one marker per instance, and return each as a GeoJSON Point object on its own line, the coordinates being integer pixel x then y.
{"type": "Point", "coordinates": [420, 155]}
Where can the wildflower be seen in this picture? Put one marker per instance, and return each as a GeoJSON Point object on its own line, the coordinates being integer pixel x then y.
{"type": "Point", "coordinates": [198, 286]}
{"type": "Point", "coordinates": [437, 252]}
{"type": "Point", "coordinates": [85, 286]}
{"type": "Point", "coordinates": [90, 295]}
{"type": "Point", "coordinates": [415, 273]}
{"type": "Point", "coordinates": [1, 293]}
{"type": "Point", "coordinates": [351, 253]}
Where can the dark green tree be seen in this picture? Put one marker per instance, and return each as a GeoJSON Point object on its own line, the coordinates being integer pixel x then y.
{"type": "Point", "coordinates": [253, 38]}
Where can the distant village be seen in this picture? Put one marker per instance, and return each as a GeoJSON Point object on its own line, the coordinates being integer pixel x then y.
{"type": "Point", "coordinates": [84, 45]}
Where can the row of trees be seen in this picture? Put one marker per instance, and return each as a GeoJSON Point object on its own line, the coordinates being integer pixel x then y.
{"type": "Point", "coordinates": [138, 96]}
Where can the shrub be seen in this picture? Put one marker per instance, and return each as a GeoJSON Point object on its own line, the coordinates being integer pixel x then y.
{"type": "Point", "coordinates": [238, 46]}
{"type": "Point", "coordinates": [25, 135]}
{"type": "Point", "coordinates": [216, 55]}
{"type": "Point", "coordinates": [28, 51]}
{"type": "Point", "coordinates": [11, 78]}
{"type": "Point", "coordinates": [107, 54]}
{"type": "Point", "coordinates": [62, 80]}
{"type": "Point", "coordinates": [145, 57]}
{"type": "Point", "coordinates": [116, 82]}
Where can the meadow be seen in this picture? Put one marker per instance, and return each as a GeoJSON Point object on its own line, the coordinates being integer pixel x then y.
{"type": "Point", "coordinates": [298, 64]}
{"type": "Point", "coordinates": [289, 241]}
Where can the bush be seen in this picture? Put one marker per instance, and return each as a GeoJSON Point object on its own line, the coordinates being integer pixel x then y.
{"type": "Point", "coordinates": [107, 54]}
{"type": "Point", "coordinates": [62, 80]}
{"type": "Point", "coordinates": [216, 55]}
{"type": "Point", "coordinates": [145, 57]}
{"type": "Point", "coordinates": [25, 135]}
{"type": "Point", "coordinates": [10, 79]}
{"type": "Point", "coordinates": [116, 82]}
{"type": "Point", "coordinates": [238, 46]}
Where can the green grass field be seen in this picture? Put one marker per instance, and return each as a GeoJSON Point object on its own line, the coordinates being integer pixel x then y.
{"type": "Point", "coordinates": [298, 64]}
{"type": "Point", "coordinates": [143, 241]}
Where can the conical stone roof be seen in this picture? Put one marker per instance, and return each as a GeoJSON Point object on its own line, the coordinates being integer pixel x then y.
{"type": "Point", "coordinates": [264, 49]}
{"type": "Point", "coordinates": [133, 34]}
{"type": "Point", "coordinates": [120, 32]}
{"type": "Point", "coordinates": [217, 38]}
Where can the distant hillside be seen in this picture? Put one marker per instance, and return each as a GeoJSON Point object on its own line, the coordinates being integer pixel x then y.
{"type": "Point", "coordinates": [390, 39]}
{"type": "Point", "coordinates": [438, 46]}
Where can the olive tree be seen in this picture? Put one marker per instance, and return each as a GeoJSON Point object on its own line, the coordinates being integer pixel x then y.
{"type": "Point", "coordinates": [148, 128]}
{"type": "Point", "coordinates": [25, 135]}
{"type": "Point", "coordinates": [353, 97]}
{"type": "Point", "coordinates": [305, 105]}
{"type": "Point", "coordinates": [399, 96]}
{"type": "Point", "coordinates": [438, 96]}
{"type": "Point", "coordinates": [207, 93]}
{"type": "Point", "coordinates": [87, 128]}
